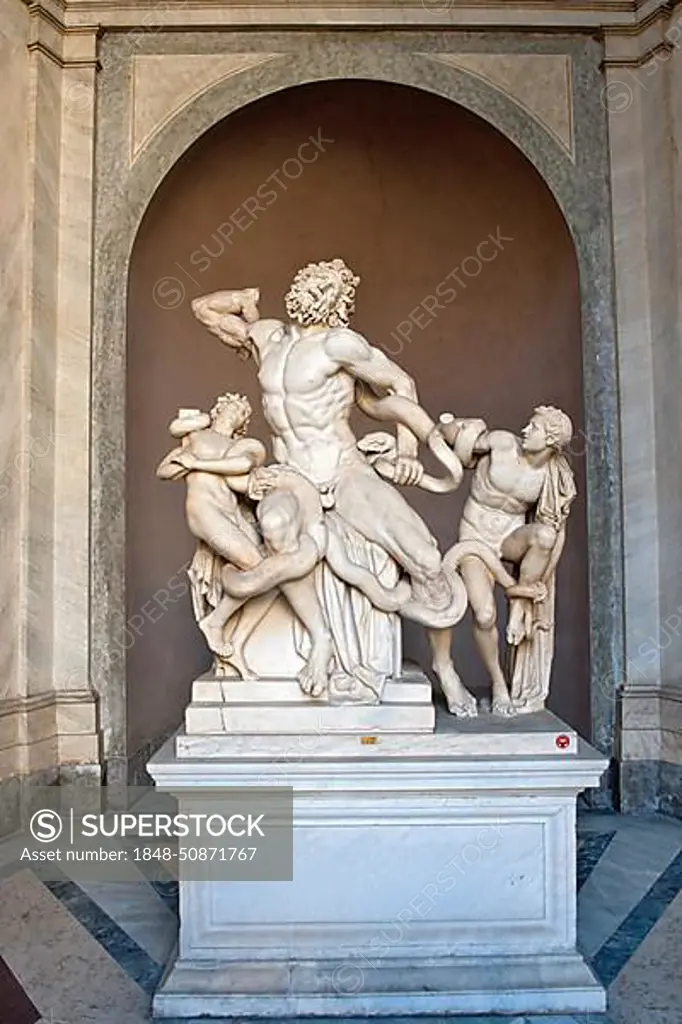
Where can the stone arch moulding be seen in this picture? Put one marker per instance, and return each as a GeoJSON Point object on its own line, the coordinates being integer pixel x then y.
{"type": "Point", "coordinates": [571, 156]}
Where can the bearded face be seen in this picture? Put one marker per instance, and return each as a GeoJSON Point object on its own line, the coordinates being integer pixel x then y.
{"type": "Point", "coordinates": [322, 293]}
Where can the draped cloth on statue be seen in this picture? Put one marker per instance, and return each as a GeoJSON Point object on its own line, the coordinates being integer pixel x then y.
{"type": "Point", "coordinates": [532, 657]}
{"type": "Point", "coordinates": [558, 493]}
{"type": "Point", "coordinates": [204, 576]}
{"type": "Point", "coordinates": [367, 642]}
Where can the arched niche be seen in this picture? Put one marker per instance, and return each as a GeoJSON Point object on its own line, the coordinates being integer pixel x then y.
{"type": "Point", "coordinates": [149, 183]}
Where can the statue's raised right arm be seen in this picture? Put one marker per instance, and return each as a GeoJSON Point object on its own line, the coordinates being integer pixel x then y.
{"type": "Point", "coordinates": [232, 315]}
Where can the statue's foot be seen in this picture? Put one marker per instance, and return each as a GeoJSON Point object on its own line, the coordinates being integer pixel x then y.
{"type": "Point", "coordinates": [463, 708]}
{"type": "Point", "coordinates": [516, 631]}
{"type": "Point", "coordinates": [215, 638]}
{"type": "Point", "coordinates": [314, 676]}
{"type": "Point", "coordinates": [503, 705]}
{"type": "Point", "coordinates": [237, 659]}
{"type": "Point", "coordinates": [352, 689]}
{"type": "Point", "coordinates": [459, 700]}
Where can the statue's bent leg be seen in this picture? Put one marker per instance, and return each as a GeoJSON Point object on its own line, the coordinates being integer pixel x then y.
{"type": "Point", "coordinates": [302, 596]}
{"type": "Point", "coordinates": [254, 612]}
{"type": "Point", "coordinates": [281, 518]}
{"type": "Point", "coordinates": [291, 571]}
{"type": "Point", "coordinates": [380, 513]}
{"type": "Point", "coordinates": [480, 588]}
{"type": "Point", "coordinates": [240, 551]}
{"type": "Point", "coordinates": [460, 701]}
{"type": "Point", "coordinates": [213, 625]}
{"type": "Point", "coordinates": [222, 535]}
{"type": "Point", "coordinates": [531, 547]}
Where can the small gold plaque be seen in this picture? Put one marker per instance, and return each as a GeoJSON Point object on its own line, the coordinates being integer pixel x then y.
{"type": "Point", "coordinates": [369, 740]}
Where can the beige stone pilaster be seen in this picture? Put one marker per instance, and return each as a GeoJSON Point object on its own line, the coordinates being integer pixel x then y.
{"type": "Point", "coordinates": [14, 60]}
{"type": "Point", "coordinates": [47, 708]}
{"type": "Point", "coordinates": [644, 76]}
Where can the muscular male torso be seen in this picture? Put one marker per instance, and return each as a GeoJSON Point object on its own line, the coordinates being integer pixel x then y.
{"type": "Point", "coordinates": [307, 399]}
{"type": "Point", "coordinates": [505, 483]}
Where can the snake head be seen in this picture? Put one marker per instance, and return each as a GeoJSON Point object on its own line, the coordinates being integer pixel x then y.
{"type": "Point", "coordinates": [378, 445]}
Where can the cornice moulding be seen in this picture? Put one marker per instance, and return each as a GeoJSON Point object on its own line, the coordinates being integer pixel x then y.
{"type": "Point", "coordinates": [635, 31]}
{"type": "Point", "coordinates": [64, 46]}
{"type": "Point", "coordinates": [436, 14]}
{"type": "Point", "coordinates": [660, 32]}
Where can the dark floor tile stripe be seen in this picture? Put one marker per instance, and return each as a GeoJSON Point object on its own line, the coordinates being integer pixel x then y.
{"type": "Point", "coordinates": [617, 950]}
{"type": "Point", "coordinates": [591, 848]}
{"type": "Point", "coordinates": [134, 960]}
{"type": "Point", "coordinates": [15, 1005]}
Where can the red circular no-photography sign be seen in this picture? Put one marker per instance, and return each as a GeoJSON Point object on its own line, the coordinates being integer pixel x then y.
{"type": "Point", "coordinates": [563, 741]}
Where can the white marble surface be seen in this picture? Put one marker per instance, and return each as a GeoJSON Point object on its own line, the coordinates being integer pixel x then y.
{"type": "Point", "coordinates": [408, 689]}
{"type": "Point", "coordinates": [487, 736]}
{"type": "Point", "coordinates": [458, 881]}
{"type": "Point", "coordinates": [305, 718]}
{"type": "Point", "coordinates": [277, 707]}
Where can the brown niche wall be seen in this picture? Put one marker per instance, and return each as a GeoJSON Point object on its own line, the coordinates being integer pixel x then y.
{"type": "Point", "coordinates": [405, 187]}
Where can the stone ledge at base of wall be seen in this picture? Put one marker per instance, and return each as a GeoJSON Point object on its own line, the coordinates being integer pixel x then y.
{"type": "Point", "coordinates": [604, 796]}
{"type": "Point", "coordinates": [649, 742]}
{"type": "Point", "coordinates": [46, 739]}
{"type": "Point", "coordinates": [651, 787]}
{"type": "Point", "coordinates": [15, 792]}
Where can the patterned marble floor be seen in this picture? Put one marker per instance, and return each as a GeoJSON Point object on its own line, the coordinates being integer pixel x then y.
{"type": "Point", "coordinates": [76, 954]}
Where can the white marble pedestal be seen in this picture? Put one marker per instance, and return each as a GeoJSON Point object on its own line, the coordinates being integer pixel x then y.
{"type": "Point", "coordinates": [432, 874]}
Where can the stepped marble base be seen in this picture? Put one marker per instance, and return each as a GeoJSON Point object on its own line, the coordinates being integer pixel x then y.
{"type": "Point", "coordinates": [268, 706]}
{"type": "Point", "coordinates": [400, 987]}
{"type": "Point", "coordinates": [432, 874]}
